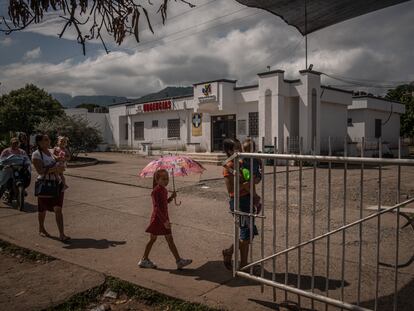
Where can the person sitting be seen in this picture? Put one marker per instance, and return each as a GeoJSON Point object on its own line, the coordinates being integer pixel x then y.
{"type": "Point", "coordinates": [13, 149]}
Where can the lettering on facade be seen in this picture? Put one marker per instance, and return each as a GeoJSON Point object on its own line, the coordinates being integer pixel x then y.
{"type": "Point", "coordinates": [156, 106]}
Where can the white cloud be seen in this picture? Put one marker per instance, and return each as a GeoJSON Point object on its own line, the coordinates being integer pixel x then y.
{"type": "Point", "coordinates": [238, 50]}
{"type": "Point", "coordinates": [6, 41]}
{"type": "Point", "coordinates": [32, 54]}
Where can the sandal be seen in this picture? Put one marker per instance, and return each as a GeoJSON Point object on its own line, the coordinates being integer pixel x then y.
{"type": "Point", "coordinates": [227, 256]}
{"type": "Point", "coordinates": [44, 234]}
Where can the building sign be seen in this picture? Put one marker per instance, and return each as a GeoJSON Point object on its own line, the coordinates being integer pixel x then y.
{"type": "Point", "coordinates": [154, 107]}
{"type": "Point", "coordinates": [206, 89]}
{"type": "Point", "coordinates": [197, 128]}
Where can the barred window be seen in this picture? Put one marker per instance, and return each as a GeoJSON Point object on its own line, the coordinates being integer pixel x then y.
{"type": "Point", "coordinates": [253, 124]}
{"type": "Point", "coordinates": [242, 127]}
{"type": "Point", "coordinates": [154, 123]}
{"type": "Point", "coordinates": [174, 128]}
{"type": "Point", "coordinates": [139, 131]}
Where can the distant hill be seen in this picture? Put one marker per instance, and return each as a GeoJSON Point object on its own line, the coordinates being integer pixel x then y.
{"type": "Point", "coordinates": [171, 91]}
{"type": "Point", "coordinates": [68, 101]}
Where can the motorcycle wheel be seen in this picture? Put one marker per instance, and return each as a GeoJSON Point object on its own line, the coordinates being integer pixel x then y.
{"type": "Point", "coordinates": [20, 198]}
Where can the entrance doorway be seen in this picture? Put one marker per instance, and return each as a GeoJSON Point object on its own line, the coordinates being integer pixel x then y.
{"type": "Point", "coordinates": [222, 127]}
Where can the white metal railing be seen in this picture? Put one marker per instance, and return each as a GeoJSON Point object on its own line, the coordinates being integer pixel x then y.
{"type": "Point", "coordinates": [314, 160]}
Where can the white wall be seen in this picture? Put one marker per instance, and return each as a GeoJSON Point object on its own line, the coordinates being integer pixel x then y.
{"type": "Point", "coordinates": [365, 110]}
{"type": "Point", "coordinates": [334, 118]}
{"type": "Point", "coordinates": [159, 135]}
{"type": "Point", "coordinates": [390, 130]}
{"type": "Point", "coordinates": [99, 120]}
{"type": "Point", "coordinates": [357, 129]}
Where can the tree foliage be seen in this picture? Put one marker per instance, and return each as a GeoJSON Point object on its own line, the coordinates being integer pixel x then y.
{"type": "Point", "coordinates": [23, 109]}
{"type": "Point", "coordinates": [89, 18]}
{"type": "Point", "coordinates": [82, 136]}
{"type": "Point", "coordinates": [405, 94]}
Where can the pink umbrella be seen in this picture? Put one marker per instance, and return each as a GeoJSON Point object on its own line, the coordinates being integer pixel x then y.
{"type": "Point", "coordinates": [175, 165]}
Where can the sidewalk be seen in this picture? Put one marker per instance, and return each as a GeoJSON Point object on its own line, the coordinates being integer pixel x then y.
{"type": "Point", "coordinates": [107, 224]}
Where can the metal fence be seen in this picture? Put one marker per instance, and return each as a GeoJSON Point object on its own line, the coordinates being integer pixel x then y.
{"type": "Point", "coordinates": [285, 250]}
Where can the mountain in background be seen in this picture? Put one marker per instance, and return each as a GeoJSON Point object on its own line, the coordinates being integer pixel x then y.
{"type": "Point", "coordinates": [68, 101]}
{"type": "Point", "coordinates": [168, 92]}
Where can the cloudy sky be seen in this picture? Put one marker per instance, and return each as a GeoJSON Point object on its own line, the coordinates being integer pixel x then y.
{"type": "Point", "coordinates": [217, 39]}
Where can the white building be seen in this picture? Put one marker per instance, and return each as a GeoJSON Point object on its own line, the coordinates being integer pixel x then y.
{"type": "Point", "coordinates": [96, 119]}
{"type": "Point", "coordinates": [275, 107]}
{"type": "Point", "coordinates": [374, 118]}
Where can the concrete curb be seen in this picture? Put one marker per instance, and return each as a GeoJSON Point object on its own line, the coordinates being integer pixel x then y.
{"type": "Point", "coordinates": [91, 162]}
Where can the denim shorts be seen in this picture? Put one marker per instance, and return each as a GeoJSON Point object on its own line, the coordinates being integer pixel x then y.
{"type": "Point", "coordinates": [244, 221]}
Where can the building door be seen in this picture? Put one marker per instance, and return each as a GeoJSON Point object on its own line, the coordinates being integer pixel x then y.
{"type": "Point", "coordinates": [222, 127]}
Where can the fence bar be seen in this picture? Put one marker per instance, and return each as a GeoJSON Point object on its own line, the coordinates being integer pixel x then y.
{"type": "Point", "coordinates": [397, 231]}
{"type": "Point", "coordinates": [325, 235]}
{"type": "Point", "coordinates": [274, 220]}
{"type": "Point", "coordinates": [287, 225]}
{"type": "Point", "coordinates": [326, 300]}
{"type": "Point", "coordinates": [378, 226]}
{"type": "Point", "coordinates": [300, 223]}
{"type": "Point", "coordinates": [328, 241]}
{"type": "Point", "coordinates": [361, 206]}
{"type": "Point", "coordinates": [333, 159]}
{"type": "Point", "coordinates": [344, 223]}
{"type": "Point", "coordinates": [236, 217]}
{"type": "Point", "coordinates": [262, 223]}
{"type": "Point", "coordinates": [251, 219]}
{"type": "Point", "coordinates": [313, 222]}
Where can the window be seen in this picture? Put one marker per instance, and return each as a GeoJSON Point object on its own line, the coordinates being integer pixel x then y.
{"type": "Point", "coordinates": [173, 128]}
{"type": "Point", "coordinates": [253, 124]}
{"type": "Point", "coordinates": [154, 123]}
{"type": "Point", "coordinates": [350, 122]}
{"type": "Point", "coordinates": [378, 128]}
{"type": "Point", "coordinates": [242, 127]}
{"type": "Point", "coordinates": [139, 130]}
{"type": "Point", "coordinates": [126, 131]}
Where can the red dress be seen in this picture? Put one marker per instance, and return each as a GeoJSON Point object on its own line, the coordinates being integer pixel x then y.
{"type": "Point", "coordinates": [160, 212]}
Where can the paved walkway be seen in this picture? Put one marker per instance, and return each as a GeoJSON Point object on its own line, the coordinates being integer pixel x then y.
{"type": "Point", "coordinates": [107, 224]}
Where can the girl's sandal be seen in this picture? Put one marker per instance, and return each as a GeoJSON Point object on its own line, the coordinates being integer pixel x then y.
{"type": "Point", "coordinates": [227, 256]}
{"type": "Point", "coordinates": [44, 234]}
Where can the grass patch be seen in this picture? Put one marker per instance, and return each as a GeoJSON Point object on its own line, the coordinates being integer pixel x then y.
{"type": "Point", "coordinates": [142, 295]}
{"type": "Point", "coordinates": [84, 300]}
{"type": "Point", "coordinates": [13, 250]}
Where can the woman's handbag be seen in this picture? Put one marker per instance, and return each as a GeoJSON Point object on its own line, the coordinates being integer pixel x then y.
{"type": "Point", "coordinates": [47, 188]}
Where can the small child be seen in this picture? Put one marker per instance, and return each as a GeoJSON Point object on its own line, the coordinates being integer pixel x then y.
{"type": "Point", "coordinates": [62, 155]}
{"type": "Point", "coordinates": [160, 223]}
{"type": "Point", "coordinates": [248, 147]}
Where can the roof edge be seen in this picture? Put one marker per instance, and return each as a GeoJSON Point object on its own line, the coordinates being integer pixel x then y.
{"type": "Point", "coordinates": [266, 73]}
{"type": "Point", "coordinates": [336, 89]}
{"type": "Point", "coordinates": [219, 80]}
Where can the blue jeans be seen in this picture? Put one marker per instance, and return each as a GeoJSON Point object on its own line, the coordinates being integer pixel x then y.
{"type": "Point", "coordinates": [244, 221]}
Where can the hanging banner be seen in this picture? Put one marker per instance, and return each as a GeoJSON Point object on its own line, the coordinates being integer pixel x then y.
{"type": "Point", "coordinates": [197, 128]}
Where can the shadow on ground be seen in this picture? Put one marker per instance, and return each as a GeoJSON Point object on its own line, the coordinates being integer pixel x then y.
{"type": "Point", "coordinates": [28, 207]}
{"type": "Point", "coordinates": [385, 303]}
{"type": "Point", "coordinates": [214, 271]}
{"type": "Point", "coordinates": [86, 243]}
{"type": "Point", "coordinates": [103, 162]}
{"type": "Point", "coordinates": [287, 305]}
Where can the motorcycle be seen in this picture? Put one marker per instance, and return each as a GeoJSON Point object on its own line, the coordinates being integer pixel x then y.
{"type": "Point", "coordinates": [15, 177]}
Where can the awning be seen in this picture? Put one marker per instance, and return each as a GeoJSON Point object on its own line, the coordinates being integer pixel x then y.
{"type": "Point", "coordinates": [319, 13]}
